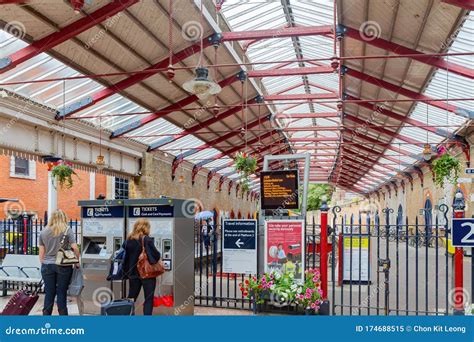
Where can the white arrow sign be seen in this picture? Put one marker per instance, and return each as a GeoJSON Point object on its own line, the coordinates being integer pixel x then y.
{"type": "Point", "coordinates": [239, 243]}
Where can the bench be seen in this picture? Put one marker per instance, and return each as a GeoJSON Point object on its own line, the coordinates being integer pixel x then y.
{"type": "Point", "coordinates": [25, 269]}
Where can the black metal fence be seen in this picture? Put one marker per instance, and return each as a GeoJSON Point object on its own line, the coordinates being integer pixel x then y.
{"type": "Point", "coordinates": [402, 268]}
{"type": "Point", "coordinates": [21, 236]}
{"type": "Point", "coordinates": [218, 289]}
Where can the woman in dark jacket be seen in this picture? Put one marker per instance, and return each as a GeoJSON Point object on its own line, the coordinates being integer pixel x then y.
{"type": "Point", "coordinates": [140, 236]}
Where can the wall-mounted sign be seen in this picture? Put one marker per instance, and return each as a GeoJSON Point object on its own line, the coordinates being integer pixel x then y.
{"type": "Point", "coordinates": [470, 171]}
{"type": "Point", "coordinates": [284, 247]}
{"type": "Point", "coordinates": [151, 211]}
{"type": "Point", "coordinates": [239, 253]}
{"type": "Point", "coordinates": [279, 189]}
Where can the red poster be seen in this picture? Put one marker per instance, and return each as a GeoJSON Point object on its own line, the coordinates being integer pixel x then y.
{"type": "Point", "coordinates": [284, 247]}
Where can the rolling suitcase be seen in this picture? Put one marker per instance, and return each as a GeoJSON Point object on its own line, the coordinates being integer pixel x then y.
{"type": "Point", "coordinates": [22, 302]}
{"type": "Point", "coordinates": [120, 307]}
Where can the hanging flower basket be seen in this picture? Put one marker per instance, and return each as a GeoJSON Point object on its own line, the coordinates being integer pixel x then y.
{"type": "Point", "coordinates": [446, 168]}
{"type": "Point", "coordinates": [62, 172]}
{"type": "Point", "coordinates": [245, 165]}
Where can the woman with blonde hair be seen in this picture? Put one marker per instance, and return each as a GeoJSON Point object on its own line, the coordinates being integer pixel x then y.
{"type": "Point", "coordinates": [138, 239]}
{"type": "Point", "coordinates": [56, 278]}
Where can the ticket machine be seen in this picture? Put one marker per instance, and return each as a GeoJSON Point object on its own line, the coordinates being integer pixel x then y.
{"type": "Point", "coordinates": [103, 232]}
{"type": "Point", "coordinates": [173, 232]}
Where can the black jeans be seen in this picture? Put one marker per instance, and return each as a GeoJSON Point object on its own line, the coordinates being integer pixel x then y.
{"type": "Point", "coordinates": [149, 286]}
{"type": "Point", "coordinates": [56, 283]}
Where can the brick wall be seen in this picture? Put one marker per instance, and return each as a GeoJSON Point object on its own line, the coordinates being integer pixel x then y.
{"type": "Point", "coordinates": [413, 197]}
{"type": "Point", "coordinates": [156, 180]}
{"type": "Point", "coordinates": [33, 193]}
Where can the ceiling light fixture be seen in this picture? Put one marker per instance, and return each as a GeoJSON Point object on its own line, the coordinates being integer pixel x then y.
{"type": "Point", "coordinates": [201, 86]}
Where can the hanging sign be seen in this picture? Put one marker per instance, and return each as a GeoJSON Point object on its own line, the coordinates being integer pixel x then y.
{"type": "Point", "coordinates": [279, 189]}
{"type": "Point", "coordinates": [284, 247]}
{"type": "Point", "coordinates": [356, 258]}
{"type": "Point", "coordinates": [239, 253]}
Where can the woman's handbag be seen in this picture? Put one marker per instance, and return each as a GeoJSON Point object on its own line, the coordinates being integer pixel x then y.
{"type": "Point", "coordinates": [147, 270]}
{"type": "Point", "coordinates": [22, 302]}
{"type": "Point", "coordinates": [65, 255]}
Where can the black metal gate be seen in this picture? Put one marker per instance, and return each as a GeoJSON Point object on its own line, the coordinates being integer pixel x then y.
{"type": "Point", "coordinates": [215, 288]}
{"type": "Point", "coordinates": [391, 266]}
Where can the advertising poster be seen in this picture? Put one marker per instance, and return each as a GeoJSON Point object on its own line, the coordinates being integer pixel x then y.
{"type": "Point", "coordinates": [239, 254]}
{"type": "Point", "coordinates": [358, 252]}
{"type": "Point", "coordinates": [284, 247]}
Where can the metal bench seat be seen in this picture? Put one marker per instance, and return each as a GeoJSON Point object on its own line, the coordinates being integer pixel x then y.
{"type": "Point", "coordinates": [24, 269]}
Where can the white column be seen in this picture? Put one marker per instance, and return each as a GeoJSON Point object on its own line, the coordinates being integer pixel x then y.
{"type": "Point", "coordinates": [92, 185]}
{"type": "Point", "coordinates": [52, 194]}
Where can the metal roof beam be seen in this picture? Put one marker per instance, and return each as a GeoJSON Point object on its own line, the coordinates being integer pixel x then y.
{"type": "Point", "coordinates": [466, 4]}
{"type": "Point", "coordinates": [323, 115]}
{"type": "Point", "coordinates": [380, 43]}
{"type": "Point", "coordinates": [277, 33]}
{"type": "Point", "coordinates": [401, 118]}
{"type": "Point", "coordinates": [234, 149]}
{"type": "Point", "coordinates": [382, 130]}
{"type": "Point", "coordinates": [165, 111]}
{"type": "Point", "coordinates": [291, 72]}
{"type": "Point", "coordinates": [298, 97]}
{"type": "Point", "coordinates": [216, 141]}
{"type": "Point", "coordinates": [203, 124]}
{"type": "Point", "coordinates": [409, 93]}
{"type": "Point", "coordinates": [46, 43]}
{"type": "Point", "coordinates": [131, 80]}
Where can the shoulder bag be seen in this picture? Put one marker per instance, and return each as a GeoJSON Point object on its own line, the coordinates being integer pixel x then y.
{"type": "Point", "coordinates": [65, 255]}
{"type": "Point", "coordinates": [147, 270]}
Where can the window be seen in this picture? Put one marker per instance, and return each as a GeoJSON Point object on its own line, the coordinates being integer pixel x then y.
{"type": "Point", "coordinates": [121, 188]}
{"type": "Point", "coordinates": [22, 168]}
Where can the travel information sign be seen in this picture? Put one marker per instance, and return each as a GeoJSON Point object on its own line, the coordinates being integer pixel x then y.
{"type": "Point", "coordinates": [279, 189]}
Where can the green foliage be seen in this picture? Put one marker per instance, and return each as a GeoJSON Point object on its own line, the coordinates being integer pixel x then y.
{"type": "Point", "coordinates": [316, 192]}
{"type": "Point", "coordinates": [245, 165]}
{"type": "Point", "coordinates": [446, 168]}
{"type": "Point", "coordinates": [63, 174]}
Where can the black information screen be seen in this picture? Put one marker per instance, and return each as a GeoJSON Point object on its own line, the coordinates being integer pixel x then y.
{"type": "Point", "coordinates": [279, 189]}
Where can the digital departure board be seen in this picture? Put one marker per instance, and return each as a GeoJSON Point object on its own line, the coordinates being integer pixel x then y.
{"type": "Point", "coordinates": [279, 189]}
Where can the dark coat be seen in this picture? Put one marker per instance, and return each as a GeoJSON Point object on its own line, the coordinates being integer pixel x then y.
{"type": "Point", "coordinates": [133, 249]}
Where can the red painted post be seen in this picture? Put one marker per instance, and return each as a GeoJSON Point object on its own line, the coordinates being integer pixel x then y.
{"type": "Point", "coordinates": [339, 264]}
{"type": "Point", "coordinates": [25, 234]}
{"type": "Point", "coordinates": [458, 295]}
{"type": "Point", "coordinates": [323, 258]}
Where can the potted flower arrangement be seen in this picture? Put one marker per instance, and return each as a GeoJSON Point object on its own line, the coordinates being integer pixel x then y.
{"type": "Point", "coordinates": [62, 172]}
{"type": "Point", "coordinates": [281, 289]}
{"type": "Point", "coordinates": [310, 297]}
{"type": "Point", "coordinates": [245, 165]}
{"type": "Point", "coordinates": [446, 168]}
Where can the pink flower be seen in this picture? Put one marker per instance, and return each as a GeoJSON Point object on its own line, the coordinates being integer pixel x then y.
{"type": "Point", "coordinates": [313, 306]}
{"type": "Point", "coordinates": [307, 296]}
{"type": "Point", "coordinates": [320, 291]}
